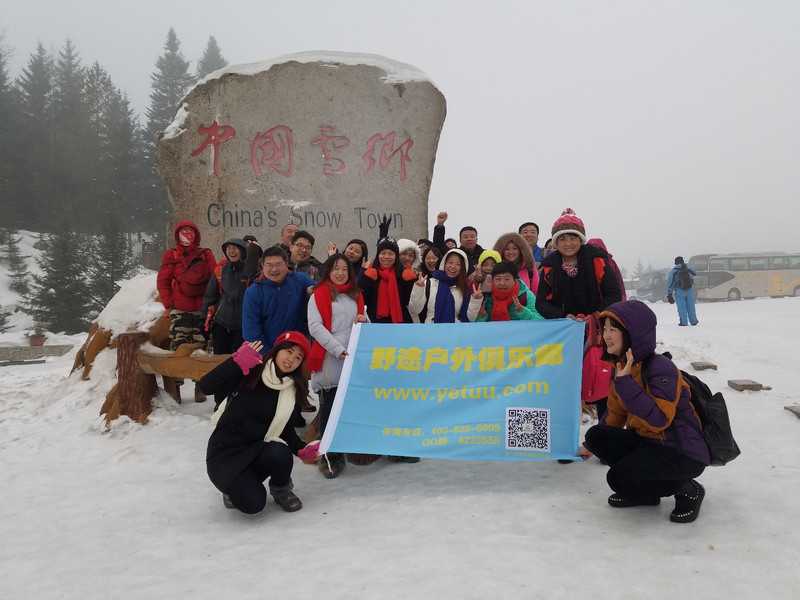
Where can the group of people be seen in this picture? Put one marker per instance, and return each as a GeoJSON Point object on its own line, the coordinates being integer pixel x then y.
{"type": "Point", "coordinates": [278, 309]}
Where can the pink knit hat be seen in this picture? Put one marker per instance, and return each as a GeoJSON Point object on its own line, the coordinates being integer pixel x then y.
{"type": "Point", "coordinates": [569, 222]}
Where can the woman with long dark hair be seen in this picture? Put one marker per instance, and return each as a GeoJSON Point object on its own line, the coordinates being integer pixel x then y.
{"type": "Point", "coordinates": [334, 307]}
{"type": "Point", "coordinates": [357, 253]}
{"type": "Point", "coordinates": [431, 258]}
{"type": "Point", "coordinates": [254, 437]}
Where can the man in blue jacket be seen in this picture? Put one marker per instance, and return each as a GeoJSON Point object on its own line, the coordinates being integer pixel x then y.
{"type": "Point", "coordinates": [276, 301]}
{"type": "Point", "coordinates": [680, 292]}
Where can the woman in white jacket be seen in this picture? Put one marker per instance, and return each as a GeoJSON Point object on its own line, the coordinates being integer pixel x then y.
{"type": "Point", "coordinates": [446, 295]}
{"type": "Point", "coordinates": [334, 307]}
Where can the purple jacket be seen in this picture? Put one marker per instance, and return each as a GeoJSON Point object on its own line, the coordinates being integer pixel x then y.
{"type": "Point", "coordinates": [652, 413]}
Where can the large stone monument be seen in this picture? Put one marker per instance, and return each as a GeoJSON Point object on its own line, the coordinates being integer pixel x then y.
{"type": "Point", "coordinates": [328, 141]}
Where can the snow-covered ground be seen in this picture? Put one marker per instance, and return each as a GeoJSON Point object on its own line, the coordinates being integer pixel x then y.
{"type": "Point", "coordinates": [127, 511]}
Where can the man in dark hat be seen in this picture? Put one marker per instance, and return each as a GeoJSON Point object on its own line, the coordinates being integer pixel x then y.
{"type": "Point", "coordinates": [680, 291]}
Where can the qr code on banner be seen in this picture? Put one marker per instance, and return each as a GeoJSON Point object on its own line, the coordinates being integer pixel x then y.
{"type": "Point", "coordinates": [528, 429]}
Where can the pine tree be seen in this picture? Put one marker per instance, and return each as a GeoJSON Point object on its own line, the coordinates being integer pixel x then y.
{"type": "Point", "coordinates": [170, 82]}
{"type": "Point", "coordinates": [18, 269]}
{"type": "Point", "coordinates": [6, 112]}
{"type": "Point", "coordinates": [59, 299]}
{"type": "Point", "coordinates": [124, 165]}
{"type": "Point", "coordinates": [114, 261]}
{"type": "Point", "coordinates": [119, 155]}
{"type": "Point", "coordinates": [99, 90]}
{"type": "Point", "coordinates": [36, 88]}
{"type": "Point", "coordinates": [640, 269]}
{"type": "Point", "coordinates": [212, 59]}
{"type": "Point", "coordinates": [75, 143]}
{"type": "Point", "coordinates": [34, 185]}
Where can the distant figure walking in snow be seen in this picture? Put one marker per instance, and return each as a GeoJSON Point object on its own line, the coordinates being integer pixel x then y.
{"type": "Point", "coordinates": [680, 292]}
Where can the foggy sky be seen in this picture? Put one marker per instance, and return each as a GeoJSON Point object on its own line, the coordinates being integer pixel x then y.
{"type": "Point", "coordinates": [670, 127]}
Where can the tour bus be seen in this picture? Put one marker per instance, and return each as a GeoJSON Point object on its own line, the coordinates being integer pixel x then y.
{"type": "Point", "coordinates": [736, 276]}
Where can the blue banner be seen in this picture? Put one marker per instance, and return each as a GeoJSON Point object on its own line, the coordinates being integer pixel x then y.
{"type": "Point", "coordinates": [477, 391]}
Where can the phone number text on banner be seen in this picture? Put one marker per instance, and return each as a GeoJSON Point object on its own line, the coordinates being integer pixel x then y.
{"type": "Point", "coordinates": [478, 391]}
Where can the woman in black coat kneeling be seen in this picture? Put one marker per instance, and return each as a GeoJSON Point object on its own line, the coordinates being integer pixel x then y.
{"type": "Point", "coordinates": [254, 438]}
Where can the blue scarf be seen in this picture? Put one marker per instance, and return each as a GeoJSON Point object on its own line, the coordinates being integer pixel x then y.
{"type": "Point", "coordinates": [445, 307]}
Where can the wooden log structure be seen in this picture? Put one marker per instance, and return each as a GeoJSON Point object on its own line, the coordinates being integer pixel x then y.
{"type": "Point", "coordinates": [134, 388]}
{"type": "Point", "coordinates": [180, 364]}
{"type": "Point", "coordinates": [137, 370]}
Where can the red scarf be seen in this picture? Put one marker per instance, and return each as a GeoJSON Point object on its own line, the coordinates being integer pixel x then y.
{"type": "Point", "coordinates": [324, 300]}
{"type": "Point", "coordinates": [502, 300]}
{"type": "Point", "coordinates": [389, 295]}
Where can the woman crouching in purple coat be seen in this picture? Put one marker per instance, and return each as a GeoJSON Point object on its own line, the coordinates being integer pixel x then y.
{"type": "Point", "coordinates": [651, 451]}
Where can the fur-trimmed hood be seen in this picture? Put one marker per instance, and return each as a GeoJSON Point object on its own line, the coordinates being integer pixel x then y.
{"type": "Point", "coordinates": [525, 250]}
{"type": "Point", "coordinates": [405, 244]}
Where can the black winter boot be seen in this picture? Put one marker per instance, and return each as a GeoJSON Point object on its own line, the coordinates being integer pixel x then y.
{"type": "Point", "coordinates": [332, 465]}
{"type": "Point", "coordinates": [618, 501]}
{"type": "Point", "coordinates": [284, 497]}
{"type": "Point", "coordinates": [687, 502]}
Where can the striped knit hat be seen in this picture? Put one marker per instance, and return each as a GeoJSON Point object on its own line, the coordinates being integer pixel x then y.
{"type": "Point", "coordinates": [569, 222]}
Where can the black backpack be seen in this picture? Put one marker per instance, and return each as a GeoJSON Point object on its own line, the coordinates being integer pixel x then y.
{"type": "Point", "coordinates": [684, 279]}
{"type": "Point", "coordinates": [713, 414]}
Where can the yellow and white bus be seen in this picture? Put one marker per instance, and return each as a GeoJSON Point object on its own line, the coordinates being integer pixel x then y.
{"type": "Point", "coordinates": [737, 276]}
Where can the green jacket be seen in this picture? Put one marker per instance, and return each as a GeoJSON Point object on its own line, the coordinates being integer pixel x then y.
{"type": "Point", "coordinates": [526, 298]}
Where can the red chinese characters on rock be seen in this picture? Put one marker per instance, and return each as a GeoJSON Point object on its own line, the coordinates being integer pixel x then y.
{"type": "Point", "coordinates": [333, 166]}
{"type": "Point", "coordinates": [277, 151]}
{"type": "Point", "coordinates": [387, 152]}
{"type": "Point", "coordinates": [215, 135]}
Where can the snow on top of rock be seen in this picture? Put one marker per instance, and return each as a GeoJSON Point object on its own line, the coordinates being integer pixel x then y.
{"type": "Point", "coordinates": [176, 128]}
{"type": "Point", "coordinates": [395, 72]}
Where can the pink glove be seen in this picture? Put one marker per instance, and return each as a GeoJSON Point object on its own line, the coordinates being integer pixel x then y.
{"type": "Point", "coordinates": [246, 358]}
{"type": "Point", "coordinates": [309, 452]}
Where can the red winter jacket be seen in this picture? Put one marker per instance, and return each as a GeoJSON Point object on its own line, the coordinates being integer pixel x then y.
{"type": "Point", "coordinates": [184, 273]}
